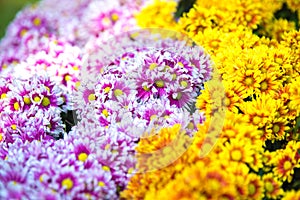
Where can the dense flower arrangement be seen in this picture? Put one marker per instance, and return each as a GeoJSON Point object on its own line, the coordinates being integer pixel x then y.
{"type": "Point", "coordinates": [93, 108]}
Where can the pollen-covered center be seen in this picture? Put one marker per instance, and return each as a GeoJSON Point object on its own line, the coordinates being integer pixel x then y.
{"type": "Point", "coordinates": [287, 165]}
{"type": "Point", "coordinates": [159, 83]}
{"type": "Point", "coordinates": [264, 85]}
{"type": "Point", "coordinates": [249, 81]}
{"type": "Point", "coordinates": [82, 157]}
{"type": "Point", "coordinates": [67, 183]}
{"type": "Point", "coordinates": [236, 155]}
{"type": "Point", "coordinates": [118, 92]}
{"type": "Point", "coordinates": [46, 101]}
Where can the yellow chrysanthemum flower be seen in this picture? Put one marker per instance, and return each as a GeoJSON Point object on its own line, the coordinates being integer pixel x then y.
{"type": "Point", "coordinates": [284, 167]}
{"type": "Point", "coordinates": [277, 127]}
{"type": "Point", "coordinates": [272, 186]}
{"type": "Point", "coordinates": [291, 195]}
{"type": "Point", "coordinates": [238, 151]}
{"type": "Point", "coordinates": [278, 27]}
{"type": "Point", "coordinates": [261, 109]}
{"type": "Point", "coordinates": [255, 187]}
{"type": "Point", "coordinates": [158, 14]}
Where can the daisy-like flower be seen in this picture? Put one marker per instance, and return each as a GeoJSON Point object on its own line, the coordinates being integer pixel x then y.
{"type": "Point", "coordinates": [261, 109]}
{"type": "Point", "coordinates": [277, 128]}
{"type": "Point", "coordinates": [285, 167]}
{"type": "Point", "coordinates": [66, 181]}
{"type": "Point", "coordinates": [255, 186]}
{"type": "Point", "coordinates": [183, 95]}
{"type": "Point", "coordinates": [238, 151]}
{"type": "Point", "coordinates": [291, 195]}
{"type": "Point", "coordinates": [285, 161]}
{"type": "Point", "coordinates": [272, 186]}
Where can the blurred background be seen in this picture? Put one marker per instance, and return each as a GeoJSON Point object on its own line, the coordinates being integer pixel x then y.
{"type": "Point", "coordinates": [8, 10]}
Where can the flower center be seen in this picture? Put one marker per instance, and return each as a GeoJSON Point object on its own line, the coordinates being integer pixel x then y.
{"type": "Point", "coordinates": [92, 97]}
{"type": "Point", "coordinates": [178, 96]}
{"type": "Point", "coordinates": [153, 117]}
{"type": "Point", "coordinates": [174, 76]}
{"type": "Point", "coordinates": [3, 96]}
{"type": "Point", "coordinates": [46, 101]}
{"type": "Point", "coordinates": [37, 21]}
{"type": "Point", "coordinates": [130, 170]}
{"type": "Point", "coordinates": [152, 66]}
{"type": "Point", "coordinates": [26, 100]}
{"type": "Point", "coordinates": [256, 120]}
{"type": "Point", "coordinates": [251, 189]}
{"type": "Point", "coordinates": [183, 84]}
{"type": "Point", "coordinates": [269, 187]}
{"type": "Point", "coordinates": [159, 83]}
{"type": "Point", "coordinates": [146, 88]}
{"type": "Point", "coordinates": [263, 85]}
{"type": "Point", "coordinates": [106, 168]}
{"type": "Point", "coordinates": [107, 89]}
{"type": "Point", "coordinates": [105, 112]}
{"type": "Point", "coordinates": [279, 60]}
{"type": "Point", "coordinates": [16, 106]}
{"type": "Point", "coordinates": [48, 89]}
{"type": "Point", "coordinates": [101, 184]}
{"type": "Point", "coordinates": [118, 92]}
{"type": "Point", "coordinates": [77, 85]}
{"type": "Point", "coordinates": [23, 32]}
{"type": "Point", "coordinates": [276, 128]}
{"type": "Point", "coordinates": [214, 44]}
{"type": "Point", "coordinates": [41, 179]}
{"type": "Point", "coordinates": [37, 99]}
{"type": "Point", "coordinates": [249, 81]}
{"type": "Point", "coordinates": [236, 155]}
{"type": "Point", "coordinates": [82, 157]}
{"type": "Point", "coordinates": [227, 102]}
{"type": "Point", "coordinates": [107, 147]}
{"type": "Point", "coordinates": [180, 64]}
{"type": "Point", "coordinates": [191, 126]}
{"type": "Point", "coordinates": [215, 185]}
{"type": "Point", "coordinates": [67, 183]}
{"type": "Point", "coordinates": [13, 127]}
{"type": "Point", "coordinates": [106, 21]}
{"type": "Point", "coordinates": [114, 17]}
{"type": "Point", "coordinates": [68, 78]}
{"type": "Point", "coordinates": [287, 165]}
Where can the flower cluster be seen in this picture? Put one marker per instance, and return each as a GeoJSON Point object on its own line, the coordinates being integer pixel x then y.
{"type": "Point", "coordinates": [30, 109]}
{"type": "Point", "coordinates": [149, 87]}
{"type": "Point", "coordinates": [52, 169]}
{"type": "Point", "coordinates": [41, 59]}
{"type": "Point", "coordinates": [50, 60]}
